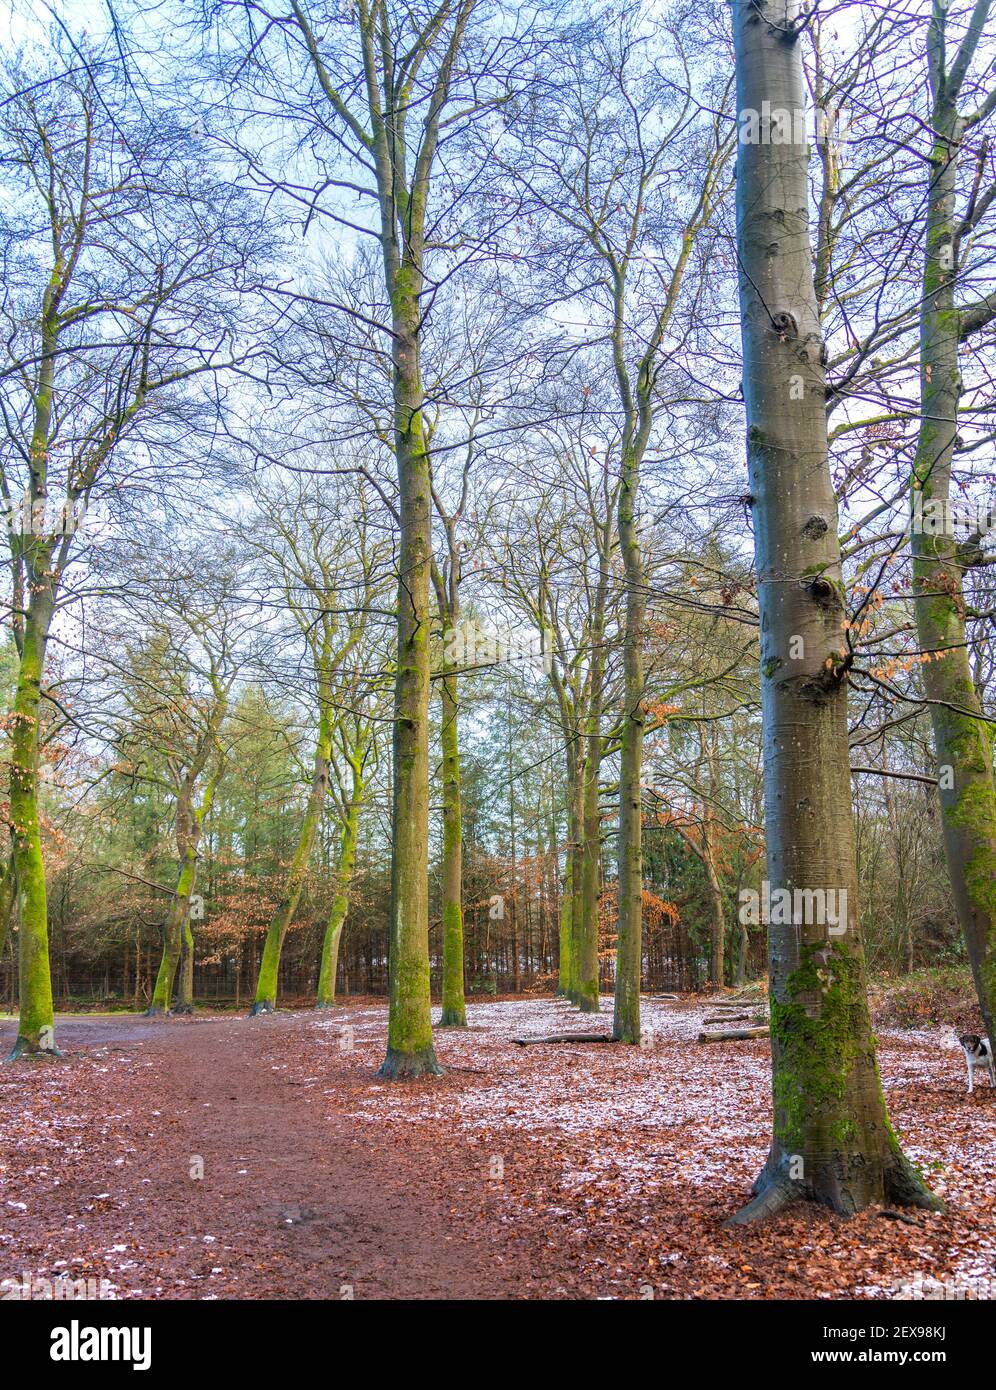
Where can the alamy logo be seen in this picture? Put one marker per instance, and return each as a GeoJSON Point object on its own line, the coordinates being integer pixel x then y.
{"type": "Point", "coordinates": [76, 1343]}
{"type": "Point", "coordinates": [800, 907]}
{"type": "Point", "coordinates": [42, 516]}
{"type": "Point", "coordinates": [946, 516]}
{"type": "Point", "coordinates": [468, 646]}
{"type": "Point", "coordinates": [780, 125]}
{"type": "Point", "coordinates": [38, 1288]}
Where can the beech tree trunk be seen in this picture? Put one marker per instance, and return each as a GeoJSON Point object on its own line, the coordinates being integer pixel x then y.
{"type": "Point", "coordinates": [447, 581]}
{"type": "Point", "coordinates": [410, 1051]}
{"type": "Point", "coordinates": [348, 841]}
{"type": "Point", "coordinates": [185, 994]}
{"type": "Point", "coordinates": [189, 824]}
{"type": "Point", "coordinates": [269, 968]}
{"type": "Point", "coordinates": [585, 962]}
{"type": "Point", "coordinates": [176, 922]}
{"type": "Point", "coordinates": [962, 740]}
{"type": "Point", "coordinates": [566, 924]}
{"type": "Point", "coordinates": [831, 1140]}
{"type": "Point", "coordinates": [7, 894]}
{"type": "Point", "coordinates": [570, 906]}
{"type": "Point", "coordinates": [454, 1013]}
{"type": "Point", "coordinates": [36, 1026]}
{"type": "Point", "coordinates": [629, 944]}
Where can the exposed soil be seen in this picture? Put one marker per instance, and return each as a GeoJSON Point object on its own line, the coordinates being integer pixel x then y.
{"type": "Point", "coordinates": [549, 1171]}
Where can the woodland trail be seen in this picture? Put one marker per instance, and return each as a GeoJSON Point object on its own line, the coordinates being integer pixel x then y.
{"type": "Point", "coordinates": [292, 1203]}
{"type": "Point", "coordinates": [541, 1172]}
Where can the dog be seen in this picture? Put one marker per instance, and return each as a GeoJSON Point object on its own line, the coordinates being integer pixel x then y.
{"type": "Point", "coordinates": [978, 1053]}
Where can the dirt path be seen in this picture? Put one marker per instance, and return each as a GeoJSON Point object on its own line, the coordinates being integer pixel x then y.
{"type": "Point", "coordinates": [293, 1202]}
{"type": "Point", "coordinates": [233, 1158]}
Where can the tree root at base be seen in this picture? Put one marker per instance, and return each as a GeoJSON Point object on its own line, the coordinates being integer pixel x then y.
{"type": "Point", "coordinates": [25, 1050]}
{"type": "Point", "coordinates": [409, 1066]}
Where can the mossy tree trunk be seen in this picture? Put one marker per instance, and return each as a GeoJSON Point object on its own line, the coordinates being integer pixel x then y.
{"type": "Point", "coordinates": [565, 982]}
{"type": "Point", "coordinates": [36, 1027]}
{"type": "Point", "coordinates": [402, 179]}
{"type": "Point", "coordinates": [185, 994]}
{"type": "Point", "coordinates": [446, 580]}
{"type": "Point", "coordinates": [585, 961]}
{"type": "Point", "coordinates": [586, 942]}
{"type": "Point", "coordinates": [962, 740]}
{"type": "Point", "coordinates": [37, 564]}
{"type": "Point", "coordinates": [84, 389]}
{"type": "Point", "coordinates": [177, 921]}
{"type": "Point", "coordinates": [717, 923]}
{"type": "Point", "coordinates": [189, 825]}
{"type": "Point", "coordinates": [348, 841]}
{"type": "Point", "coordinates": [269, 968]}
{"type": "Point", "coordinates": [576, 831]}
{"type": "Point", "coordinates": [629, 943]}
{"type": "Point", "coordinates": [410, 1051]}
{"type": "Point", "coordinates": [579, 693]}
{"type": "Point", "coordinates": [8, 886]}
{"type": "Point", "coordinates": [831, 1140]}
{"type": "Point", "coordinates": [454, 1013]}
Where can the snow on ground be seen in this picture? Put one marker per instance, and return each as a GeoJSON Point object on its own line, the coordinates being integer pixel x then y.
{"type": "Point", "coordinates": [536, 1101]}
{"type": "Point", "coordinates": [616, 1160]}
{"type": "Point", "coordinates": [671, 1112]}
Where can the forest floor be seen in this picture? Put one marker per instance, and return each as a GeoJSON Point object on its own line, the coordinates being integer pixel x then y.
{"type": "Point", "coordinates": [581, 1171]}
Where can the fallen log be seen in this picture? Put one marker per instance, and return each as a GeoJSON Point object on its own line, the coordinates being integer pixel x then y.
{"type": "Point", "coordinates": [734, 1035]}
{"type": "Point", "coordinates": [727, 1018]}
{"type": "Point", "coordinates": [565, 1038]}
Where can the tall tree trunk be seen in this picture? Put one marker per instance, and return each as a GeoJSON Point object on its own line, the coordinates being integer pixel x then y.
{"type": "Point", "coordinates": [717, 924]}
{"type": "Point", "coordinates": [586, 963]}
{"type": "Point", "coordinates": [714, 891]}
{"type": "Point", "coordinates": [962, 741]}
{"type": "Point", "coordinates": [269, 969]}
{"type": "Point", "coordinates": [348, 841]}
{"type": "Point", "coordinates": [454, 1014]}
{"type": "Point", "coordinates": [8, 888]}
{"type": "Point", "coordinates": [185, 994]}
{"type": "Point", "coordinates": [514, 895]}
{"type": "Point", "coordinates": [566, 927]}
{"type": "Point", "coordinates": [629, 944]}
{"type": "Point", "coordinates": [176, 921]}
{"type": "Point", "coordinates": [831, 1139]}
{"type": "Point", "coordinates": [138, 969]}
{"type": "Point", "coordinates": [36, 1027]}
{"type": "Point", "coordinates": [410, 1050]}
{"type": "Point", "coordinates": [740, 973]}
{"type": "Point", "coordinates": [586, 944]}
{"type": "Point", "coordinates": [565, 967]}
{"type": "Point", "coordinates": [577, 884]}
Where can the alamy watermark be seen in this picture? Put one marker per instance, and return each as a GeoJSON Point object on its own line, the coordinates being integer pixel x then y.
{"type": "Point", "coordinates": [30, 1287]}
{"type": "Point", "coordinates": [947, 516]}
{"type": "Point", "coordinates": [782, 907]}
{"type": "Point", "coordinates": [469, 645]}
{"type": "Point", "coordinates": [42, 516]}
{"type": "Point", "coordinates": [980, 1288]}
{"type": "Point", "coordinates": [779, 125]}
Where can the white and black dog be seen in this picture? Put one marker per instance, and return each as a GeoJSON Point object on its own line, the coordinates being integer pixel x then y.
{"type": "Point", "coordinates": [978, 1053]}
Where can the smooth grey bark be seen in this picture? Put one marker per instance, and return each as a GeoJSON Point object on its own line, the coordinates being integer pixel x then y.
{"type": "Point", "coordinates": [831, 1140]}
